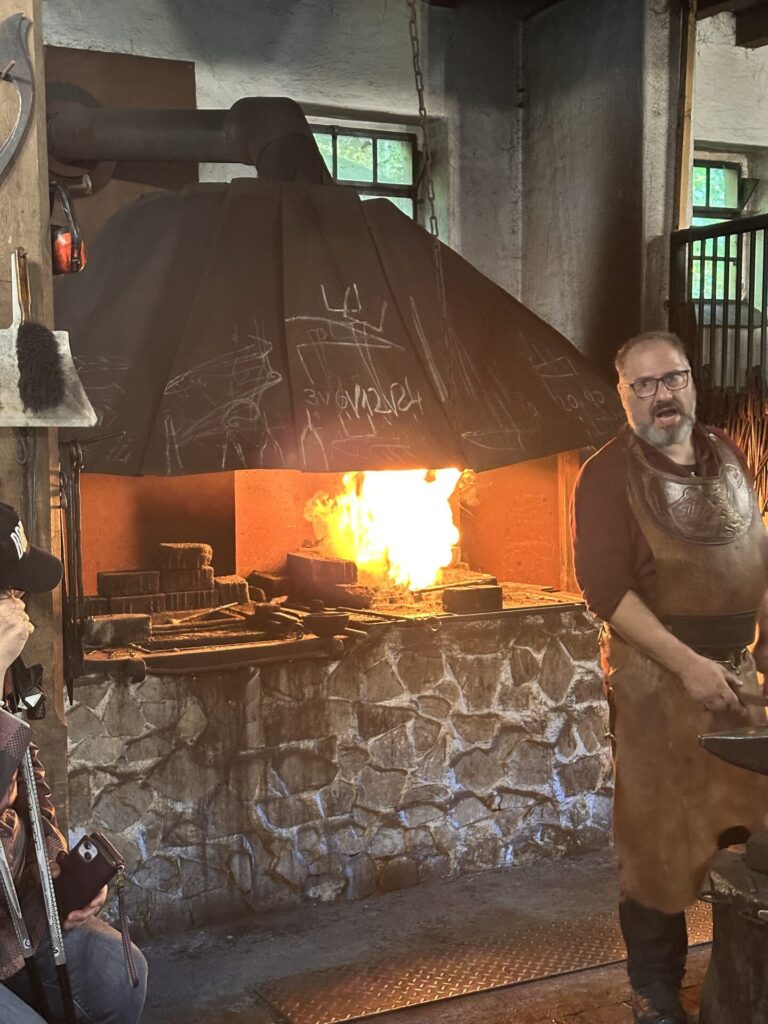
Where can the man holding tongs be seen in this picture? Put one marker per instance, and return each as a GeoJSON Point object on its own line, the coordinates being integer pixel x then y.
{"type": "Point", "coordinates": [73, 971]}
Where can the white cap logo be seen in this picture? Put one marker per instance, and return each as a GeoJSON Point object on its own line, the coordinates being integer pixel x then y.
{"type": "Point", "coordinates": [19, 539]}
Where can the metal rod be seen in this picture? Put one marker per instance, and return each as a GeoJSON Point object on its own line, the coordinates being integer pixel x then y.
{"type": "Point", "coordinates": [739, 242]}
{"type": "Point", "coordinates": [751, 303]}
{"type": "Point", "coordinates": [19, 926]}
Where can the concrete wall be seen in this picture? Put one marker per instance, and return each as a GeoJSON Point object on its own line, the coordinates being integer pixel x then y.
{"type": "Point", "coordinates": [353, 57]}
{"type": "Point", "coordinates": [597, 178]}
{"type": "Point", "coordinates": [731, 88]}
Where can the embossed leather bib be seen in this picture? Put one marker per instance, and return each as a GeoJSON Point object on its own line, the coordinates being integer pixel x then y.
{"type": "Point", "coordinates": [709, 544]}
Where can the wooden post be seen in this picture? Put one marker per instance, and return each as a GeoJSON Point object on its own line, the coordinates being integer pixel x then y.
{"type": "Point", "coordinates": [25, 218]}
{"type": "Point", "coordinates": [567, 471]}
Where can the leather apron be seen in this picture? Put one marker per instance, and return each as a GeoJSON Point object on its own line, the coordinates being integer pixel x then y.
{"type": "Point", "coordinates": [674, 802]}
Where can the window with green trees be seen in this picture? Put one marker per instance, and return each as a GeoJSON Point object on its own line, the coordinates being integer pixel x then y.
{"type": "Point", "coordinates": [715, 187]}
{"type": "Point", "coordinates": [378, 164]}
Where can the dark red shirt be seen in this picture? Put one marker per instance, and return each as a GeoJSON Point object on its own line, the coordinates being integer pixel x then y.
{"type": "Point", "coordinates": [611, 555]}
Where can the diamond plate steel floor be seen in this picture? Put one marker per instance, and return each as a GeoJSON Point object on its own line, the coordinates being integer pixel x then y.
{"type": "Point", "coordinates": [455, 967]}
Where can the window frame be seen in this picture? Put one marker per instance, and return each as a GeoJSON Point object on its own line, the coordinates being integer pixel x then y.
{"type": "Point", "coordinates": [716, 212]}
{"type": "Point", "coordinates": [375, 187]}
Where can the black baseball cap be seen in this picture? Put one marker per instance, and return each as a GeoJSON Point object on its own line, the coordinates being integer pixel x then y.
{"type": "Point", "coordinates": [23, 566]}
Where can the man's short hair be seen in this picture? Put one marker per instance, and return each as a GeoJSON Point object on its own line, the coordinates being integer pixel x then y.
{"type": "Point", "coordinates": [648, 338]}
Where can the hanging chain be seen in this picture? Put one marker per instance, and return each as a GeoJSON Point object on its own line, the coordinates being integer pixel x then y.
{"type": "Point", "coordinates": [429, 180]}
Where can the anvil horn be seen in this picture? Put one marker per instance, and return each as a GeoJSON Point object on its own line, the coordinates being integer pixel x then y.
{"type": "Point", "coordinates": [16, 69]}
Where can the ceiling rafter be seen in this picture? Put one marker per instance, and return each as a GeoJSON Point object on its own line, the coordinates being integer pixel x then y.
{"type": "Point", "coordinates": [752, 27]}
{"type": "Point", "coordinates": [707, 8]}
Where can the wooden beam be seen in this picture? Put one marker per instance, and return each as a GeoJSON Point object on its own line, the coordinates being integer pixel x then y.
{"type": "Point", "coordinates": [707, 8]}
{"type": "Point", "coordinates": [25, 219]}
{"type": "Point", "coordinates": [752, 27]}
{"type": "Point", "coordinates": [684, 155]}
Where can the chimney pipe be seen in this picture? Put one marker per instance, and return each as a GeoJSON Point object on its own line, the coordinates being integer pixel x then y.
{"type": "Point", "coordinates": [271, 134]}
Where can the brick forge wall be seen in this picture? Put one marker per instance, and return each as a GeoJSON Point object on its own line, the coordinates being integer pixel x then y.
{"type": "Point", "coordinates": [419, 755]}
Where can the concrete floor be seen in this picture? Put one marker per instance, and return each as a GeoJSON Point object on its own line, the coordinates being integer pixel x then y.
{"type": "Point", "coordinates": [213, 975]}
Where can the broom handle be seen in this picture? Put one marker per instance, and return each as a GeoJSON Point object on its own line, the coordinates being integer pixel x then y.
{"type": "Point", "coordinates": [22, 293]}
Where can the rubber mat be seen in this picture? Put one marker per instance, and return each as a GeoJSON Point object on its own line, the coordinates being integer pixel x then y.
{"type": "Point", "coordinates": [457, 967]}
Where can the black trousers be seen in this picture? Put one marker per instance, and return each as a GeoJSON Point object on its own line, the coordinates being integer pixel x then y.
{"type": "Point", "coordinates": [657, 945]}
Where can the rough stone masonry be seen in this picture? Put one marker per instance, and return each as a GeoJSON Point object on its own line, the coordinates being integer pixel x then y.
{"type": "Point", "coordinates": [420, 754]}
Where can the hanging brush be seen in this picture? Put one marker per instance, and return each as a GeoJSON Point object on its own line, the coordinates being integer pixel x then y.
{"type": "Point", "coordinates": [41, 374]}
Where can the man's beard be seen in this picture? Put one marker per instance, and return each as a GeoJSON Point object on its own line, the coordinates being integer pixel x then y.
{"type": "Point", "coordinates": [676, 433]}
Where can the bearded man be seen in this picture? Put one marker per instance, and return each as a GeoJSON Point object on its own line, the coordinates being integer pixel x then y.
{"type": "Point", "coordinates": [671, 552]}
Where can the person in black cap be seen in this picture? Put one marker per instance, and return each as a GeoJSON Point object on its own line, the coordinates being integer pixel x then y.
{"type": "Point", "coordinates": [100, 986]}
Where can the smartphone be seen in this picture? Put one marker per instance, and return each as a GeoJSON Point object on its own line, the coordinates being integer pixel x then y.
{"type": "Point", "coordinates": [84, 871]}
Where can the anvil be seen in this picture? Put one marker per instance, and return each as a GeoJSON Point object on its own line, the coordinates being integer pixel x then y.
{"type": "Point", "coordinates": [746, 747]}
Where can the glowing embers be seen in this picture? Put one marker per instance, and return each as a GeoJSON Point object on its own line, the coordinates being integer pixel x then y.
{"type": "Point", "coordinates": [396, 524]}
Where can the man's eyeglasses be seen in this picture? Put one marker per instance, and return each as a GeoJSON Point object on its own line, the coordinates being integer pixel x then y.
{"type": "Point", "coordinates": [646, 387]}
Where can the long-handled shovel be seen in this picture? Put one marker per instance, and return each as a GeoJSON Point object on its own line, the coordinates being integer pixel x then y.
{"type": "Point", "coordinates": [14, 741]}
{"type": "Point", "coordinates": [39, 384]}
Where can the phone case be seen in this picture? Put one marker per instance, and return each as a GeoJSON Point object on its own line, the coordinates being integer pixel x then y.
{"type": "Point", "coordinates": [84, 871]}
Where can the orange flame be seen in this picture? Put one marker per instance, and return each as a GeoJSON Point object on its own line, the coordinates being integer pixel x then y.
{"type": "Point", "coordinates": [395, 523]}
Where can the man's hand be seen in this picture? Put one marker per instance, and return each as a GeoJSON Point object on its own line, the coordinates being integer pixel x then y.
{"type": "Point", "coordinates": [15, 629]}
{"type": "Point", "coordinates": [760, 654]}
{"type": "Point", "coordinates": [711, 685]}
{"type": "Point", "coordinates": [79, 917]}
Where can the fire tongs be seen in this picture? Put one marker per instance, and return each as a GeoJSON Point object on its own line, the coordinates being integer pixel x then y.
{"type": "Point", "coordinates": [28, 697]}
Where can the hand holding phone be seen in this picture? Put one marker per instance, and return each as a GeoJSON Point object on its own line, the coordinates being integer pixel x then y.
{"type": "Point", "coordinates": [85, 870]}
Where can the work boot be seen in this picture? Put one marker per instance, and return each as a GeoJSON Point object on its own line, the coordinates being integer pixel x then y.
{"type": "Point", "coordinates": [658, 1004]}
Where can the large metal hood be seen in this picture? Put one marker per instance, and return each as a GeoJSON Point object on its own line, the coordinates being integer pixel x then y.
{"type": "Point", "coordinates": [275, 324]}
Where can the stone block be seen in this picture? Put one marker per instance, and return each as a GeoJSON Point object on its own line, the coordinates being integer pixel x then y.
{"type": "Point", "coordinates": [183, 778]}
{"type": "Point", "coordinates": [175, 581]}
{"type": "Point", "coordinates": [557, 672]}
{"type": "Point", "coordinates": [351, 759]}
{"type": "Point", "coordinates": [450, 691]}
{"type": "Point", "coordinates": [523, 665]}
{"type": "Point", "coordinates": [479, 637]}
{"type": "Point", "coordinates": [273, 584]}
{"type": "Point", "coordinates": [421, 671]}
{"type": "Point", "coordinates": [241, 870]}
{"type": "Point", "coordinates": [325, 888]}
{"type": "Point", "coordinates": [479, 678]}
{"type": "Point", "coordinates": [476, 730]}
{"type": "Point", "coordinates": [376, 682]}
{"type": "Point", "coordinates": [433, 766]}
{"type": "Point", "coordinates": [310, 565]}
{"type": "Point", "coordinates": [199, 877]}
{"type": "Point", "coordinates": [93, 606]}
{"type": "Point", "coordinates": [304, 770]}
{"type": "Point", "coordinates": [392, 750]}
{"type": "Point", "coordinates": [477, 771]}
{"type": "Point", "coordinates": [349, 840]}
{"type": "Point", "coordinates": [289, 721]}
{"type": "Point", "coordinates": [375, 719]}
{"type": "Point", "coordinates": [380, 790]}
{"type": "Point", "coordinates": [398, 873]}
{"type": "Point", "coordinates": [181, 830]}
{"type": "Point", "coordinates": [289, 811]}
{"type": "Point", "coordinates": [425, 733]}
{"type": "Point", "coordinates": [127, 584]}
{"type": "Point", "coordinates": [386, 842]}
{"type": "Point", "coordinates": [527, 764]}
{"type": "Point", "coordinates": [116, 630]}
{"type": "Point", "coordinates": [480, 855]}
{"type": "Point", "coordinates": [588, 686]}
{"type": "Point", "coordinates": [184, 556]}
{"type": "Point", "coordinates": [310, 841]}
{"type": "Point", "coordinates": [158, 874]}
{"type": "Point", "coordinates": [434, 706]}
{"type": "Point", "coordinates": [337, 799]}
{"type": "Point", "coordinates": [433, 868]}
{"type": "Point", "coordinates": [581, 776]}
{"type": "Point", "coordinates": [83, 722]}
{"type": "Point", "coordinates": [531, 633]}
{"type": "Point", "coordinates": [123, 714]}
{"type": "Point", "coordinates": [592, 730]}
{"type": "Point", "coordinates": [580, 646]}
{"type": "Point", "coordinates": [290, 866]}
{"type": "Point", "coordinates": [568, 742]}
{"type": "Point", "coordinates": [97, 751]}
{"type": "Point", "coordinates": [420, 814]}
{"type": "Point", "coordinates": [362, 877]}
{"type": "Point", "coordinates": [419, 841]}
{"type": "Point", "coordinates": [469, 809]}
{"type": "Point", "coordinates": [433, 794]}
{"type": "Point", "coordinates": [231, 588]}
